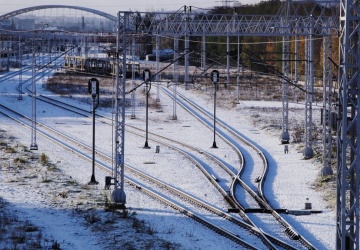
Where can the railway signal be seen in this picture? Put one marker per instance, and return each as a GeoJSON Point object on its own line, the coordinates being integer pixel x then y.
{"type": "Point", "coordinates": [93, 87]}
{"type": "Point", "coordinates": [215, 80]}
{"type": "Point", "coordinates": [147, 79]}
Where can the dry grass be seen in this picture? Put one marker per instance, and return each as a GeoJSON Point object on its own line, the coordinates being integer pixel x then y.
{"type": "Point", "coordinates": [56, 189]}
{"type": "Point", "coordinates": [75, 85]}
{"type": "Point", "coordinates": [15, 232]}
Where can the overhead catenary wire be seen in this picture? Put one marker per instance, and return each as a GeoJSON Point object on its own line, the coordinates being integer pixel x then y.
{"type": "Point", "coordinates": [275, 71]}
{"type": "Point", "coordinates": [157, 73]}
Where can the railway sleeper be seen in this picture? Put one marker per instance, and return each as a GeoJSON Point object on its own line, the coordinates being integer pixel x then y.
{"type": "Point", "coordinates": [292, 234]}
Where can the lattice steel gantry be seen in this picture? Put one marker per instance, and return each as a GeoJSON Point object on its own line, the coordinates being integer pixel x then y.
{"type": "Point", "coordinates": [285, 136]}
{"type": "Point", "coordinates": [33, 145]}
{"type": "Point", "coordinates": [299, 23]}
{"type": "Point", "coordinates": [327, 106]}
{"type": "Point", "coordinates": [118, 194]}
{"type": "Point", "coordinates": [309, 94]}
{"type": "Point", "coordinates": [348, 131]}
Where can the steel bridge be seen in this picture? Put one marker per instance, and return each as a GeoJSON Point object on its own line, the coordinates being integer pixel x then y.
{"type": "Point", "coordinates": [294, 19]}
{"type": "Point", "coordinates": [43, 7]}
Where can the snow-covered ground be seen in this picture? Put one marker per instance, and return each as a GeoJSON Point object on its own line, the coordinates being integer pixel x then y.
{"type": "Point", "coordinates": [292, 178]}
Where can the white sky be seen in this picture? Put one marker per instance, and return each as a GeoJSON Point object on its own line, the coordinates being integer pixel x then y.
{"type": "Point", "coordinates": [113, 6]}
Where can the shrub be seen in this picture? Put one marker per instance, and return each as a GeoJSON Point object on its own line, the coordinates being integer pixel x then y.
{"type": "Point", "coordinates": [44, 159]}
{"type": "Point", "coordinates": [10, 150]}
{"type": "Point", "coordinates": [63, 194]}
{"type": "Point", "coordinates": [55, 245]}
{"type": "Point", "coordinates": [45, 178]}
{"type": "Point", "coordinates": [19, 160]}
{"type": "Point", "coordinates": [92, 218]}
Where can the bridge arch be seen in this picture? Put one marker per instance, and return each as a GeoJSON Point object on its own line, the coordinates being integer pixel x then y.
{"type": "Point", "coordinates": [40, 7]}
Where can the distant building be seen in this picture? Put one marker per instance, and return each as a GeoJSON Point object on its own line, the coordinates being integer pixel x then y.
{"type": "Point", "coordinates": [6, 24]}
{"type": "Point", "coordinates": [25, 24]}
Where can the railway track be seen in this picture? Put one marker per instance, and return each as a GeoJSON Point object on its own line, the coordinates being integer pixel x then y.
{"type": "Point", "coordinates": [39, 74]}
{"type": "Point", "coordinates": [73, 145]}
{"type": "Point", "coordinates": [236, 177]}
{"type": "Point", "coordinates": [246, 183]}
{"type": "Point", "coordinates": [169, 143]}
{"type": "Point", "coordinates": [15, 73]}
{"type": "Point", "coordinates": [269, 240]}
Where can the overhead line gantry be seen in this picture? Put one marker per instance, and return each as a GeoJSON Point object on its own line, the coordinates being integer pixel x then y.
{"type": "Point", "coordinates": [294, 19]}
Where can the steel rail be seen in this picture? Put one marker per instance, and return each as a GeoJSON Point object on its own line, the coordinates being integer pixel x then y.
{"type": "Point", "coordinates": [263, 236]}
{"type": "Point", "coordinates": [289, 230]}
{"type": "Point", "coordinates": [224, 193]}
{"type": "Point", "coordinates": [226, 196]}
{"type": "Point", "coordinates": [188, 213]}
